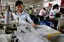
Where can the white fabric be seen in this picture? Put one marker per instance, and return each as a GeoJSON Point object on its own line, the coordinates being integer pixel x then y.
{"type": "Point", "coordinates": [53, 13]}
{"type": "Point", "coordinates": [24, 24]}
{"type": "Point", "coordinates": [28, 36]}
{"type": "Point", "coordinates": [5, 38]}
{"type": "Point", "coordinates": [8, 37]}
{"type": "Point", "coordinates": [22, 28]}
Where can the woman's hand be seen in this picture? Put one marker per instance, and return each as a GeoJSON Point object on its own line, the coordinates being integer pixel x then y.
{"type": "Point", "coordinates": [34, 25]}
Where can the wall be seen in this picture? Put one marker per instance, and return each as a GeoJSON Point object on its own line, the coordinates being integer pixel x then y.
{"type": "Point", "coordinates": [52, 2]}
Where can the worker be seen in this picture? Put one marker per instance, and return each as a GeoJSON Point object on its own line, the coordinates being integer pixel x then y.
{"type": "Point", "coordinates": [36, 11]}
{"type": "Point", "coordinates": [20, 13]}
{"type": "Point", "coordinates": [42, 13]}
{"type": "Point", "coordinates": [53, 12]}
{"type": "Point", "coordinates": [31, 11]}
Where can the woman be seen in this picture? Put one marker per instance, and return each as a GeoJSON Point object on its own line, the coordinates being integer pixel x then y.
{"type": "Point", "coordinates": [52, 14]}
{"type": "Point", "coordinates": [21, 14]}
{"type": "Point", "coordinates": [42, 13]}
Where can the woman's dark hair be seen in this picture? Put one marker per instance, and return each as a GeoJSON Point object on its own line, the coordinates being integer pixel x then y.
{"type": "Point", "coordinates": [55, 6]}
{"type": "Point", "coordinates": [18, 3]}
{"type": "Point", "coordinates": [30, 8]}
{"type": "Point", "coordinates": [44, 8]}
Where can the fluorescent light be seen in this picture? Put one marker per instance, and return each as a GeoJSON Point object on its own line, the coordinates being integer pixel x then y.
{"type": "Point", "coordinates": [38, 5]}
{"type": "Point", "coordinates": [31, 6]}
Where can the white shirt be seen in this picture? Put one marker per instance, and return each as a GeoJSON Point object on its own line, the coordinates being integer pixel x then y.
{"type": "Point", "coordinates": [53, 13]}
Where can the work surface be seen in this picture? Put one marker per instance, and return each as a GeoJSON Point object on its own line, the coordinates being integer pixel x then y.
{"type": "Point", "coordinates": [46, 31]}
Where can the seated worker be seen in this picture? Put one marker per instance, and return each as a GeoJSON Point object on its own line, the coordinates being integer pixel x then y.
{"type": "Point", "coordinates": [52, 14]}
{"type": "Point", "coordinates": [20, 13]}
